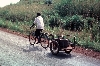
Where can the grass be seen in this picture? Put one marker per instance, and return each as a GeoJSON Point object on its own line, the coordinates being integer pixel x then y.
{"type": "Point", "coordinates": [83, 38]}
{"type": "Point", "coordinates": [10, 25]}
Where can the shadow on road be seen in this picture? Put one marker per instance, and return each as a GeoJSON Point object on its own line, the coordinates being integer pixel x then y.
{"type": "Point", "coordinates": [60, 55]}
{"type": "Point", "coordinates": [31, 48]}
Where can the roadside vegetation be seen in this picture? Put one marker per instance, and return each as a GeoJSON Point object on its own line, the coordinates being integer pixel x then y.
{"type": "Point", "coordinates": [80, 18]}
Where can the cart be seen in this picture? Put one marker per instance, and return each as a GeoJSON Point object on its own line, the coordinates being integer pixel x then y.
{"type": "Point", "coordinates": [61, 44]}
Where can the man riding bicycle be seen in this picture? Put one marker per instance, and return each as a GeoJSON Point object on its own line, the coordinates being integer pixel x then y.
{"type": "Point", "coordinates": [39, 26]}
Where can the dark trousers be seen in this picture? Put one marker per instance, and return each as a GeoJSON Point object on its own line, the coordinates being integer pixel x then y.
{"type": "Point", "coordinates": [37, 34]}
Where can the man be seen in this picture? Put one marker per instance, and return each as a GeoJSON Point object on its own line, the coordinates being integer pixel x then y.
{"type": "Point", "coordinates": [39, 26]}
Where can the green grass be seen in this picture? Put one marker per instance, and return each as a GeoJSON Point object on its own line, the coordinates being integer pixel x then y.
{"type": "Point", "coordinates": [81, 37]}
{"type": "Point", "coordinates": [29, 10]}
{"type": "Point", "coordinates": [10, 25]}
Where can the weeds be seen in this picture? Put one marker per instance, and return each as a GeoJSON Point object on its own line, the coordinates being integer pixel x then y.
{"type": "Point", "coordinates": [59, 15]}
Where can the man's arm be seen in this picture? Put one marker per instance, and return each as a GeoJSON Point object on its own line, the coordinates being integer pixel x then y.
{"type": "Point", "coordinates": [32, 25]}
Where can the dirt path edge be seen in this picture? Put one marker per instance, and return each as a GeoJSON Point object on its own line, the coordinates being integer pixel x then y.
{"type": "Point", "coordinates": [78, 49]}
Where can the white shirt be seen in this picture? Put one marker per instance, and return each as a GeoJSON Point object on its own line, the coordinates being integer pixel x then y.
{"type": "Point", "coordinates": [39, 22]}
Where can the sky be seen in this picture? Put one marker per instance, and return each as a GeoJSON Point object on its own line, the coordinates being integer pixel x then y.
{"type": "Point", "coordinates": [7, 2]}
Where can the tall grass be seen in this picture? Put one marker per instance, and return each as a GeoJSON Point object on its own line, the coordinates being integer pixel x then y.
{"type": "Point", "coordinates": [16, 26]}
{"type": "Point", "coordinates": [87, 8]}
{"type": "Point", "coordinates": [60, 14]}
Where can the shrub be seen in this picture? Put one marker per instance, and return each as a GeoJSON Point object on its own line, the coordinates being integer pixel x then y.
{"type": "Point", "coordinates": [87, 8]}
{"type": "Point", "coordinates": [4, 13]}
{"type": "Point", "coordinates": [95, 31]}
{"type": "Point", "coordinates": [67, 23]}
{"type": "Point", "coordinates": [74, 23]}
{"type": "Point", "coordinates": [48, 2]}
{"type": "Point", "coordinates": [65, 8]}
{"type": "Point", "coordinates": [54, 21]}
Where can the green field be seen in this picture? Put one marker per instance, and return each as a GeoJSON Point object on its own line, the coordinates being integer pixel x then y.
{"type": "Point", "coordinates": [61, 14]}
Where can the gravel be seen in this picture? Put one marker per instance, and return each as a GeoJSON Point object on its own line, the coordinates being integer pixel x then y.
{"type": "Point", "coordinates": [16, 51]}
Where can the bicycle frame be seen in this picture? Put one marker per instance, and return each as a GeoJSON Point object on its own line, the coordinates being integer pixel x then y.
{"type": "Point", "coordinates": [44, 40]}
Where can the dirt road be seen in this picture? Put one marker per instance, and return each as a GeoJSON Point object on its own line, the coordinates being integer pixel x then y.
{"type": "Point", "coordinates": [16, 51]}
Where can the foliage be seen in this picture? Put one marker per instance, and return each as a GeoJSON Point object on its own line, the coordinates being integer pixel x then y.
{"type": "Point", "coordinates": [68, 14]}
{"type": "Point", "coordinates": [48, 1]}
{"type": "Point", "coordinates": [52, 19]}
{"type": "Point", "coordinates": [55, 21]}
{"type": "Point", "coordinates": [74, 23]}
{"type": "Point", "coordinates": [87, 8]}
{"type": "Point", "coordinates": [13, 26]}
{"type": "Point", "coordinates": [95, 31]}
{"type": "Point", "coordinates": [65, 8]}
{"type": "Point", "coordinates": [24, 12]}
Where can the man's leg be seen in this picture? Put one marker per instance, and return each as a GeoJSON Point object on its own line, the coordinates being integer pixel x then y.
{"type": "Point", "coordinates": [36, 35]}
{"type": "Point", "coordinates": [39, 37]}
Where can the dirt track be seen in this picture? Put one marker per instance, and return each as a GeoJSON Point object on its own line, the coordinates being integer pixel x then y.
{"type": "Point", "coordinates": [78, 49]}
{"type": "Point", "coordinates": [16, 51]}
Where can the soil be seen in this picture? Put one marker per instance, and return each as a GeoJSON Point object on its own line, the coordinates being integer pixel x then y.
{"type": "Point", "coordinates": [78, 49]}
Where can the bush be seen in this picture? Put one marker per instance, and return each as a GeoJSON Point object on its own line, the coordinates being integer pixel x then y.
{"type": "Point", "coordinates": [67, 23]}
{"type": "Point", "coordinates": [95, 31]}
{"type": "Point", "coordinates": [74, 23]}
{"type": "Point", "coordinates": [48, 2]}
{"type": "Point", "coordinates": [65, 8]}
{"type": "Point", "coordinates": [54, 21]}
{"type": "Point", "coordinates": [4, 13]}
{"type": "Point", "coordinates": [14, 17]}
{"type": "Point", "coordinates": [87, 8]}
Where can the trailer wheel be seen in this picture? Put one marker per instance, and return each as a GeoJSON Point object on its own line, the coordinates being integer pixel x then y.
{"type": "Point", "coordinates": [54, 47]}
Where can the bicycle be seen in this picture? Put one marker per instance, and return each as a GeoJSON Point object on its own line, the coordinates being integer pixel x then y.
{"type": "Point", "coordinates": [43, 36]}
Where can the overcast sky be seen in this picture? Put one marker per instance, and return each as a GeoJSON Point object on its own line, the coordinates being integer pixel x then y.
{"type": "Point", "coordinates": [7, 2]}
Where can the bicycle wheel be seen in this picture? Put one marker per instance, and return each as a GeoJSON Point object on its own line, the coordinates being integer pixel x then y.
{"type": "Point", "coordinates": [44, 40]}
{"type": "Point", "coordinates": [32, 38]}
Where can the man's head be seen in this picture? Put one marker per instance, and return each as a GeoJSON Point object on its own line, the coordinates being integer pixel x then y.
{"type": "Point", "coordinates": [38, 14]}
